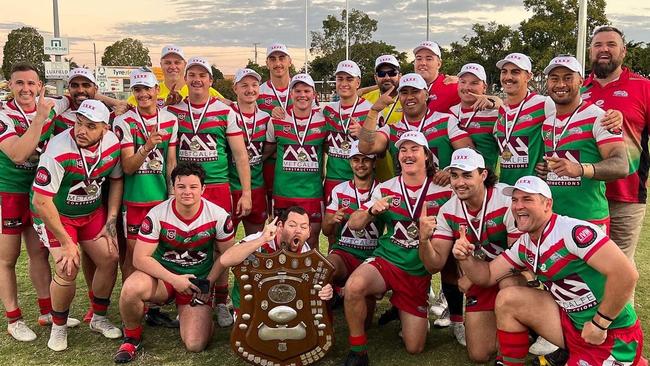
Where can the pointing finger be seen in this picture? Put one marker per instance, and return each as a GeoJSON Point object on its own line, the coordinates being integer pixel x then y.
{"type": "Point", "coordinates": [463, 232]}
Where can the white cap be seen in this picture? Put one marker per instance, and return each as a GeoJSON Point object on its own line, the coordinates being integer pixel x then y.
{"type": "Point", "coordinates": [94, 110]}
{"type": "Point", "coordinates": [349, 67]}
{"type": "Point", "coordinates": [302, 78]}
{"type": "Point", "coordinates": [386, 59]}
{"type": "Point", "coordinates": [428, 45]}
{"type": "Point", "coordinates": [466, 159]}
{"type": "Point", "coordinates": [529, 184]}
{"type": "Point", "coordinates": [414, 136]}
{"type": "Point", "coordinates": [354, 150]}
{"type": "Point", "coordinates": [170, 48]}
{"type": "Point", "coordinates": [569, 62]}
{"type": "Point", "coordinates": [242, 73]}
{"type": "Point", "coordinates": [474, 69]}
{"type": "Point", "coordinates": [413, 80]}
{"type": "Point", "coordinates": [81, 72]}
{"type": "Point", "coordinates": [277, 47]}
{"type": "Point", "coordinates": [518, 59]}
{"type": "Point", "coordinates": [200, 61]}
{"type": "Point", "coordinates": [144, 78]}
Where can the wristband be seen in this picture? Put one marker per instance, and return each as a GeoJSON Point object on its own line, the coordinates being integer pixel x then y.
{"type": "Point", "coordinates": [598, 325]}
{"type": "Point", "coordinates": [604, 316]}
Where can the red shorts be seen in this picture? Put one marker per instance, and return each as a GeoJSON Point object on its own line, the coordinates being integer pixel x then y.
{"type": "Point", "coordinates": [219, 194]}
{"type": "Point", "coordinates": [14, 213]}
{"type": "Point", "coordinates": [329, 186]}
{"type": "Point", "coordinates": [410, 293]}
{"type": "Point", "coordinates": [349, 260]}
{"type": "Point", "coordinates": [132, 217]}
{"type": "Point", "coordinates": [258, 213]}
{"type": "Point", "coordinates": [79, 228]}
{"type": "Point", "coordinates": [313, 206]}
{"type": "Point", "coordinates": [268, 172]}
{"type": "Point", "coordinates": [481, 298]}
{"type": "Point", "coordinates": [178, 298]}
{"type": "Point", "coordinates": [622, 346]}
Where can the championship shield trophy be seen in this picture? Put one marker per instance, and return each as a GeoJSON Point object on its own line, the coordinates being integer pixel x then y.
{"type": "Point", "coordinates": [281, 320]}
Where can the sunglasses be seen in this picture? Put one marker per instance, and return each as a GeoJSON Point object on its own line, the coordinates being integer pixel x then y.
{"type": "Point", "coordinates": [391, 73]}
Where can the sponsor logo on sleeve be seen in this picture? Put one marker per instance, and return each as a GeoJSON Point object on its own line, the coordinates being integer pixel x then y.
{"type": "Point", "coordinates": [118, 132]}
{"type": "Point", "coordinates": [3, 127]}
{"type": "Point", "coordinates": [584, 236]}
{"type": "Point", "coordinates": [147, 226]}
{"type": "Point", "coordinates": [228, 226]}
{"type": "Point", "coordinates": [43, 177]}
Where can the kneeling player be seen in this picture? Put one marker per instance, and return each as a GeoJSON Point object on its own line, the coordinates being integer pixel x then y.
{"type": "Point", "coordinates": [174, 252]}
{"type": "Point", "coordinates": [589, 281]}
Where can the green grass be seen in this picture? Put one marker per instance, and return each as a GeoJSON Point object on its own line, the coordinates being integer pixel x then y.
{"type": "Point", "coordinates": [163, 346]}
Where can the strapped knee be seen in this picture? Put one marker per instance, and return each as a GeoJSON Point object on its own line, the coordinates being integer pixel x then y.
{"type": "Point", "coordinates": [62, 281]}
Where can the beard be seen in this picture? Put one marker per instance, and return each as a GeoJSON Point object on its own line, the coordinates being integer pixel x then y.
{"type": "Point", "coordinates": [604, 70]}
{"type": "Point", "coordinates": [384, 87]}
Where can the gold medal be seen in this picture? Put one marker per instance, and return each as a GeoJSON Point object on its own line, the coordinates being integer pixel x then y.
{"type": "Point", "coordinates": [91, 189]}
{"type": "Point", "coordinates": [360, 233]}
{"type": "Point", "coordinates": [195, 146]}
{"type": "Point", "coordinates": [154, 164]}
{"type": "Point", "coordinates": [345, 145]}
{"type": "Point", "coordinates": [506, 154]}
{"type": "Point", "coordinates": [412, 231]}
{"type": "Point", "coordinates": [33, 159]}
{"type": "Point", "coordinates": [302, 156]}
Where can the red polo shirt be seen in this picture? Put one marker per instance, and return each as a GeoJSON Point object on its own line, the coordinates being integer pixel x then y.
{"type": "Point", "coordinates": [442, 96]}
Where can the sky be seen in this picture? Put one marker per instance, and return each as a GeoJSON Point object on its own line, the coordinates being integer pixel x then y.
{"type": "Point", "coordinates": [225, 31]}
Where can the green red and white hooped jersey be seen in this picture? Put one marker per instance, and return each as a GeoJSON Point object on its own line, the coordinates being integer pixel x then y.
{"type": "Point", "coordinates": [18, 178]}
{"type": "Point", "coordinates": [560, 263]}
{"type": "Point", "coordinates": [440, 129]}
{"type": "Point", "coordinates": [580, 198]}
{"type": "Point", "coordinates": [498, 222]}
{"type": "Point", "coordinates": [255, 146]}
{"type": "Point", "coordinates": [61, 173]}
{"type": "Point", "coordinates": [360, 243]}
{"type": "Point", "coordinates": [267, 99]}
{"type": "Point", "coordinates": [524, 147]}
{"type": "Point", "coordinates": [338, 141]}
{"type": "Point", "coordinates": [399, 243]}
{"type": "Point", "coordinates": [208, 145]}
{"type": "Point", "coordinates": [186, 246]}
{"type": "Point", "coordinates": [480, 126]}
{"type": "Point", "coordinates": [149, 183]}
{"type": "Point", "coordinates": [298, 168]}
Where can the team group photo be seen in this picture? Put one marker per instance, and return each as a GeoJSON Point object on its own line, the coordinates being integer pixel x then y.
{"type": "Point", "coordinates": [479, 201]}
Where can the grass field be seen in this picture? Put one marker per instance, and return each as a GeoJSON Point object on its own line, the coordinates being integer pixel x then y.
{"type": "Point", "coordinates": [163, 346]}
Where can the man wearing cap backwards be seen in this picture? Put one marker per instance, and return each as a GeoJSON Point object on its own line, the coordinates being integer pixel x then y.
{"type": "Point", "coordinates": [580, 153]}
{"type": "Point", "coordinates": [148, 144]}
{"type": "Point", "coordinates": [206, 128]}
{"type": "Point", "coordinates": [351, 247]}
{"type": "Point", "coordinates": [253, 122]}
{"type": "Point", "coordinates": [173, 89]}
{"type": "Point", "coordinates": [169, 257]}
{"type": "Point", "coordinates": [344, 119]}
{"type": "Point", "coordinates": [25, 127]}
{"type": "Point", "coordinates": [476, 112]}
{"type": "Point", "coordinates": [299, 138]}
{"type": "Point", "coordinates": [478, 213]}
{"type": "Point", "coordinates": [442, 134]}
{"type": "Point", "coordinates": [398, 203]}
{"type": "Point", "coordinates": [68, 211]}
{"type": "Point", "coordinates": [81, 86]}
{"type": "Point", "coordinates": [443, 93]}
{"type": "Point", "coordinates": [585, 308]}
{"type": "Point", "coordinates": [613, 86]}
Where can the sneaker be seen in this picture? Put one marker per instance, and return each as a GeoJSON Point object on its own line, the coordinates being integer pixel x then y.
{"type": "Point", "coordinates": [58, 338]}
{"type": "Point", "coordinates": [45, 320]}
{"type": "Point", "coordinates": [542, 347]}
{"type": "Point", "coordinates": [224, 318]}
{"type": "Point", "coordinates": [20, 331]}
{"type": "Point", "coordinates": [443, 321]}
{"type": "Point", "coordinates": [89, 315]}
{"type": "Point", "coordinates": [557, 358]}
{"type": "Point", "coordinates": [156, 318]}
{"type": "Point", "coordinates": [127, 351]}
{"type": "Point", "coordinates": [458, 331]}
{"type": "Point", "coordinates": [439, 305]}
{"type": "Point", "coordinates": [356, 359]}
{"type": "Point", "coordinates": [101, 324]}
{"type": "Point", "coordinates": [388, 316]}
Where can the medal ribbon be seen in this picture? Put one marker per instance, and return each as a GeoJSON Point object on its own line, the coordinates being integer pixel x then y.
{"type": "Point", "coordinates": [408, 125]}
{"type": "Point", "coordinates": [390, 112]}
{"type": "Point", "coordinates": [556, 139]}
{"type": "Point", "coordinates": [345, 124]}
{"type": "Point", "coordinates": [414, 211]}
{"type": "Point", "coordinates": [27, 121]}
{"type": "Point", "coordinates": [477, 232]}
{"type": "Point", "coordinates": [514, 122]}
{"type": "Point", "coordinates": [195, 125]}
{"type": "Point", "coordinates": [539, 245]}
{"type": "Point", "coordinates": [89, 171]}
{"type": "Point", "coordinates": [466, 124]}
{"type": "Point", "coordinates": [245, 126]}
{"type": "Point", "coordinates": [284, 104]}
{"type": "Point", "coordinates": [356, 193]}
{"type": "Point", "coordinates": [301, 140]}
{"type": "Point", "coordinates": [142, 125]}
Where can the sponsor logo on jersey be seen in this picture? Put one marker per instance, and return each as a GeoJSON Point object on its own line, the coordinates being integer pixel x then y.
{"type": "Point", "coordinates": [147, 226]}
{"type": "Point", "coordinates": [586, 95]}
{"type": "Point", "coordinates": [620, 93]}
{"type": "Point", "coordinates": [43, 177]}
{"type": "Point", "coordinates": [584, 235]}
{"type": "Point", "coordinates": [600, 103]}
{"type": "Point", "coordinates": [268, 101]}
{"type": "Point", "coordinates": [171, 234]}
{"type": "Point", "coordinates": [345, 202]}
{"type": "Point", "coordinates": [396, 201]}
